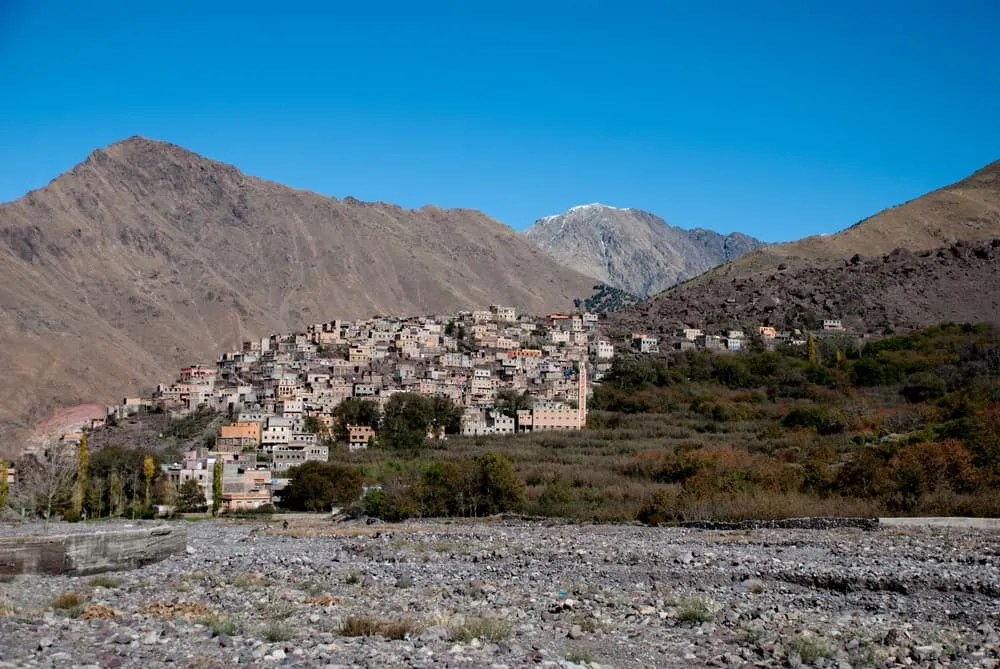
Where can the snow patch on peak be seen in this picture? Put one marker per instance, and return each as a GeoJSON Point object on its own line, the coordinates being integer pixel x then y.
{"type": "Point", "coordinates": [582, 208]}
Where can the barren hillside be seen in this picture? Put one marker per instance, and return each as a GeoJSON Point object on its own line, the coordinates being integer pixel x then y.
{"type": "Point", "coordinates": [946, 268]}
{"type": "Point", "coordinates": [147, 256]}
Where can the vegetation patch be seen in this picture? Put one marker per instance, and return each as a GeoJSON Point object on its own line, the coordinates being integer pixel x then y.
{"type": "Point", "coordinates": [104, 582]}
{"type": "Point", "coordinates": [396, 629]}
{"type": "Point", "coordinates": [694, 610]}
{"type": "Point", "coordinates": [485, 629]}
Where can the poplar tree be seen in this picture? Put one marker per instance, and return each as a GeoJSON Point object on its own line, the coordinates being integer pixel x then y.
{"type": "Point", "coordinates": [4, 488]}
{"type": "Point", "coordinates": [811, 349]}
{"type": "Point", "coordinates": [216, 487]}
{"type": "Point", "coordinates": [82, 486]}
{"type": "Point", "coordinates": [148, 469]}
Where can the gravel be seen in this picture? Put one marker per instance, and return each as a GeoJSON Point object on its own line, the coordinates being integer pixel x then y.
{"type": "Point", "coordinates": [516, 593]}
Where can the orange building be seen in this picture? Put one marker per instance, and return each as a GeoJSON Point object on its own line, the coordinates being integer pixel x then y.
{"type": "Point", "coordinates": [241, 430]}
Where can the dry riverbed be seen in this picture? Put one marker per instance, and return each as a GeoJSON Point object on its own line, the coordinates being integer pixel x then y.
{"type": "Point", "coordinates": [514, 593]}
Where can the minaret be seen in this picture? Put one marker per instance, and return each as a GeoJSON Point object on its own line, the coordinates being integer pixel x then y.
{"type": "Point", "coordinates": [581, 401]}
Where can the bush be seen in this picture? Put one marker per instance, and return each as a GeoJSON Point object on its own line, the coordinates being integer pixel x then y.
{"type": "Point", "coordinates": [694, 610]}
{"type": "Point", "coordinates": [924, 387]}
{"type": "Point", "coordinates": [104, 582]}
{"type": "Point", "coordinates": [485, 629]}
{"type": "Point", "coordinates": [68, 600]}
{"type": "Point", "coordinates": [819, 418]}
{"type": "Point", "coordinates": [395, 630]}
{"type": "Point", "coordinates": [277, 632]}
{"type": "Point", "coordinates": [319, 486]}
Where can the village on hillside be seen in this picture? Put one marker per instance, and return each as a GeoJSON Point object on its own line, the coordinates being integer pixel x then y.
{"type": "Point", "coordinates": [280, 393]}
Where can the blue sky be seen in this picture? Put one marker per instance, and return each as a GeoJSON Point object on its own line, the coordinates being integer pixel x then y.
{"type": "Point", "coordinates": [778, 119]}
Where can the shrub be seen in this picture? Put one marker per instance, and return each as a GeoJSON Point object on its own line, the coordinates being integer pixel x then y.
{"type": "Point", "coordinates": [67, 600]}
{"type": "Point", "coordinates": [923, 387]}
{"type": "Point", "coordinates": [808, 647]}
{"type": "Point", "coordinates": [277, 632]}
{"type": "Point", "coordinates": [694, 610]}
{"type": "Point", "coordinates": [395, 630]}
{"type": "Point", "coordinates": [104, 582]}
{"type": "Point", "coordinates": [484, 629]}
{"type": "Point", "coordinates": [222, 625]}
{"type": "Point", "coordinates": [819, 418]}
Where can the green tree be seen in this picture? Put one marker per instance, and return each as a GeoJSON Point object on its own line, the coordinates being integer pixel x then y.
{"type": "Point", "coordinates": [319, 486]}
{"type": "Point", "coordinates": [311, 425]}
{"type": "Point", "coordinates": [4, 486]}
{"type": "Point", "coordinates": [116, 495]}
{"type": "Point", "coordinates": [355, 411]}
{"type": "Point", "coordinates": [445, 414]}
{"type": "Point", "coordinates": [216, 487]}
{"type": "Point", "coordinates": [81, 487]}
{"type": "Point", "coordinates": [498, 487]}
{"type": "Point", "coordinates": [405, 421]}
{"type": "Point", "coordinates": [191, 498]}
{"type": "Point", "coordinates": [811, 349]}
{"type": "Point", "coordinates": [509, 402]}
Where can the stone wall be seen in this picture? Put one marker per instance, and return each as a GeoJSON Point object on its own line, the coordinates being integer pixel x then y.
{"type": "Point", "coordinates": [91, 552]}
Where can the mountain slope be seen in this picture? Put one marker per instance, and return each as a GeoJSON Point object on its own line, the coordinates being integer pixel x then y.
{"type": "Point", "coordinates": [945, 269]}
{"type": "Point", "coordinates": [900, 291]}
{"type": "Point", "coordinates": [968, 210]}
{"type": "Point", "coordinates": [146, 256]}
{"type": "Point", "coordinates": [631, 249]}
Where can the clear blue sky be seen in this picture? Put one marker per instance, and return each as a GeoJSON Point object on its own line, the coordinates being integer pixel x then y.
{"type": "Point", "coordinates": [779, 119]}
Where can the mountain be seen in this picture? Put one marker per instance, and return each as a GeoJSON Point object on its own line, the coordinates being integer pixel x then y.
{"type": "Point", "coordinates": [899, 291]}
{"type": "Point", "coordinates": [931, 259]}
{"type": "Point", "coordinates": [147, 256]}
{"type": "Point", "coordinates": [631, 249]}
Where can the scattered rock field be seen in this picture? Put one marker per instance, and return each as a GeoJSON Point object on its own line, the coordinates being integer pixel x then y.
{"type": "Point", "coordinates": [519, 593]}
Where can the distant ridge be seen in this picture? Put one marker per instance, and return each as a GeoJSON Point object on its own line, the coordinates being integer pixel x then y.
{"type": "Point", "coordinates": [146, 256]}
{"type": "Point", "coordinates": [928, 260]}
{"type": "Point", "coordinates": [631, 249]}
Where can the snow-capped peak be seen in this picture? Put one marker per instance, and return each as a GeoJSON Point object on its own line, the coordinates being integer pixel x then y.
{"type": "Point", "coordinates": [583, 208]}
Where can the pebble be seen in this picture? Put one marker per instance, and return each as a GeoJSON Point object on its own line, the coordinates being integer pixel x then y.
{"type": "Point", "coordinates": [505, 592]}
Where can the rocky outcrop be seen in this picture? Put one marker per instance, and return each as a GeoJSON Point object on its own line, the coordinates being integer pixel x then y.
{"type": "Point", "coordinates": [90, 552]}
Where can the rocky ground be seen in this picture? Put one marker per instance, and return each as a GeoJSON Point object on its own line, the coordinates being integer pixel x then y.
{"type": "Point", "coordinates": [515, 593]}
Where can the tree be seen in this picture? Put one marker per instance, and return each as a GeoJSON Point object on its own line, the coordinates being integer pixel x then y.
{"type": "Point", "coordinates": [4, 487]}
{"type": "Point", "coordinates": [319, 486]}
{"type": "Point", "coordinates": [311, 425]}
{"type": "Point", "coordinates": [509, 402]}
{"type": "Point", "coordinates": [148, 469]}
{"type": "Point", "coordinates": [405, 421]}
{"type": "Point", "coordinates": [81, 489]}
{"type": "Point", "coordinates": [216, 487]}
{"type": "Point", "coordinates": [48, 477]}
{"type": "Point", "coordinates": [355, 411]}
{"type": "Point", "coordinates": [445, 414]}
{"type": "Point", "coordinates": [116, 494]}
{"type": "Point", "coordinates": [498, 487]}
{"type": "Point", "coordinates": [191, 498]}
{"type": "Point", "coordinates": [811, 349]}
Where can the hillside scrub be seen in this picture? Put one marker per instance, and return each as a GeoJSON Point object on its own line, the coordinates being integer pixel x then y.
{"type": "Point", "coordinates": [905, 425]}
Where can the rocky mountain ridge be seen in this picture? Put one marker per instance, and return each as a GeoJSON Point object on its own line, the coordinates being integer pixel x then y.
{"type": "Point", "coordinates": [928, 260]}
{"type": "Point", "coordinates": [631, 249]}
{"type": "Point", "coordinates": [147, 256]}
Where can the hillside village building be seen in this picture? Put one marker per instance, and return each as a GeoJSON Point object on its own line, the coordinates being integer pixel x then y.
{"type": "Point", "coordinates": [276, 387]}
